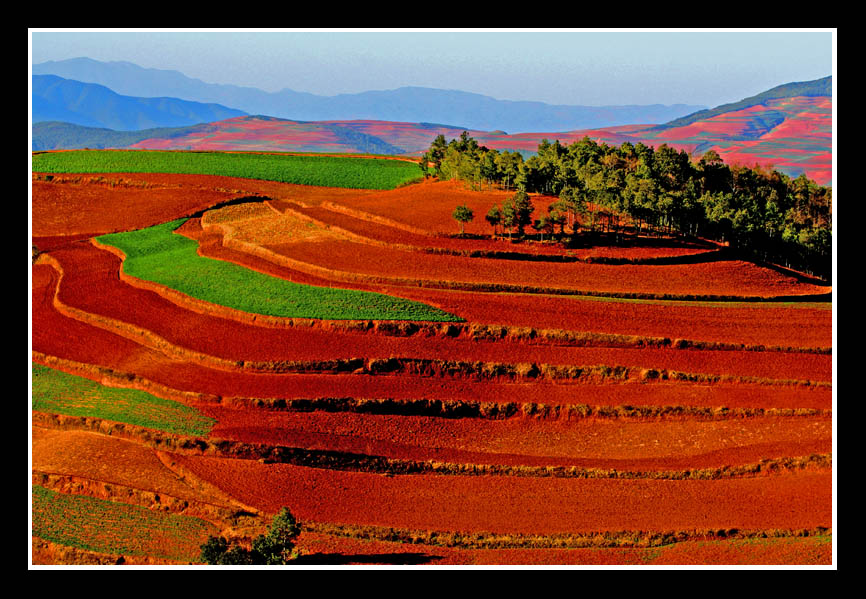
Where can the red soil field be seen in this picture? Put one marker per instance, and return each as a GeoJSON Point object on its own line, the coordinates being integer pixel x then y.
{"type": "Point", "coordinates": [347, 260]}
{"type": "Point", "coordinates": [368, 231]}
{"type": "Point", "coordinates": [427, 207]}
{"type": "Point", "coordinates": [106, 459]}
{"type": "Point", "coordinates": [760, 324]}
{"type": "Point", "coordinates": [94, 209]}
{"type": "Point", "coordinates": [64, 207]}
{"type": "Point", "coordinates": [92, 323]}
{"type": "Point", "coordinates": [60, 336]}
{"type": "Point", "coordinates": [87, 268]}
{"type": "Point", "coordinates": [626, 445]}
{"type": "Point", "coordinates": [784, 325]}
{"type": "Point", "coordinates": [322, 549]}
{"type": "Point", "coordinates": [805, 551]}
{"type": "Point", "coordinates": [523, 505]}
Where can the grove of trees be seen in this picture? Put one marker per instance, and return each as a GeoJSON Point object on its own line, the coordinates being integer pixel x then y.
{"type": "Point", "coordinates": [761, 212]}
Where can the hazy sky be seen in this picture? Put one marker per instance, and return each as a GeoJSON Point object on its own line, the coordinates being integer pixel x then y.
{"type": "Point", "coordinates": [552, 66]}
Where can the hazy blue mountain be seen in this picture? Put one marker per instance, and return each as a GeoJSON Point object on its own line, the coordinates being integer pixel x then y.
{"type": "Point", "coordinates": [91, 105]}
{"type": "Point", "coordinates": [406, 104]}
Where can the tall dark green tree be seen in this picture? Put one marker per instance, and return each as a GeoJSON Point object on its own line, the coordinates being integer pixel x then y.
{"type": "Point", "coordinates": [463, 214]}
{"type": "Point", "coordinates": [494, 217]}
{"type": "Point", "coordinates": [437, 152]}
{"type": "Point", "coordinates": [523, 210]}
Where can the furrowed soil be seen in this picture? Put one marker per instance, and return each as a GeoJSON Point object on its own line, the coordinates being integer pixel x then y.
{"type": "Point", "coordinates": [322, 549]}
{"type": "Point", "coordinates": [517, 505]}
{"type": "Point", "coordinates": [614, 444]}
{"type": "Point", "coordinates": [57, 335]}
{"type": "Point", "coordinates": [86, 268]}
{"type": "Point", "coordinates": [663, 415]}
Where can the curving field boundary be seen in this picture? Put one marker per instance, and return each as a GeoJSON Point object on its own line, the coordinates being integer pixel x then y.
{"type": "Point", "coordinates": [356, 462]}
{"type": "Point", "coordinates": [455, 408]}
{"type": "Point", "coordinates": [403, 329]}
{"type": "Point", "coordinates": [335, 297]}
{"type": "Point", "coordinates": [454, 539]}
{"type": "Point", "coordinates": [296, 210]}
{"type": "Point", "coordinates": [229, 241]}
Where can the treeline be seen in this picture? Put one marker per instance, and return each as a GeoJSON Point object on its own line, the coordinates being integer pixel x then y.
{"type": "Point", "coordinates": [763, 213]}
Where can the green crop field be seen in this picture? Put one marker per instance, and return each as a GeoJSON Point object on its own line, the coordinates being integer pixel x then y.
{"type": "Point", "coordinates": [118, 528]}
{"type": "Point", "coordinates": [157, 254]}
{"type": "Point", "coordinates": [327, 171]}
{"type": "Point", "coordinates": [57, 392]}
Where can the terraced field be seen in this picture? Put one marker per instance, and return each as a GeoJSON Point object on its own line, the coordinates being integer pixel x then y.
{"type": "Point", "coordinates": [209, 348]}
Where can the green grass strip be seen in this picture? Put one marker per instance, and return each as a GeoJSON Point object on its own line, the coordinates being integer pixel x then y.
{"type": "Point", "coordinates": [119, 528]}
{"type": "Point", "coordinates": [327, 171]}
{"type": "Point", "coordinates": [57, 392]}
{"type": "Point", "coordinates": [157, 254]}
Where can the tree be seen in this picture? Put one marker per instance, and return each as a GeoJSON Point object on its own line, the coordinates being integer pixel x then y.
{"type": "Point", "coordinates": [556, 215]}
{"type": "Point", "coordinates": [508, 166]}
{"type": "Point", "coordinates": [574, 200]}
{"type": "Point", "coordinates": [423, 164]}
{"type": "Point", "coordinates": [509, 216]}
{"type": "Point", "coordinates": [437, 152]}
{"type": "Point", "coordinates": [463, 214]}
{"type": "Point", "coordinates": [543, 225]}
{"type": "Point", "coordinates": [523, 210]}
{"type": "Point", "coordinates": [494, 217]}
{"type": "Point", "coordinates": [274, 548]}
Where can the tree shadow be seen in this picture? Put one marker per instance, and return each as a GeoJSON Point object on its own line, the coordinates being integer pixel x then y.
{"type": "Point", "coordinates": [341, 559]}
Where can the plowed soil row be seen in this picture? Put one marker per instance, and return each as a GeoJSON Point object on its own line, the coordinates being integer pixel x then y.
{"type": "Point", "coordinates": [337, 452]}
{"type": "Point", "coordinates": [785, 325]}
{"type": "Point", "coordinates": [161, 324]}
{"type": "Point", "coordinates": [110, 460]}
{"type": "Point", "coordinates": [216, 511]}
{"type": "Point", "coordinates": [590, 443]}
{"type": "Point", "coordinates": [92, 209]}
{"type": "Point", "coordinates": [313, 549]}
{"type": "Point", "coordinates": [327, 549]}
{"type": "Point", "coordinates": [455, 397]}
{"type": "Point", "coordinates": [523, 505]}
{"type": "Point", "coordinates": [344, 260]}
{"type": "Point", "coordinates": [62, 337]}
{"type": "Point", "coordinates": [66, 207]}
{"type": "Point", "coordinates": [367, 231]}
{"type": "Point", "coordinates": [427, 207]}
{"type": "Point", "coordinates": [335, 257]}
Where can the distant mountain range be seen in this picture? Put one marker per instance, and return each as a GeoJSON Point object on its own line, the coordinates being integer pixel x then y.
{"type": "Point", "coordinates": [788, 127]}
{"type": "Point", "coordinates": [92, 105]}
{"type": "Point", "coordinates": [406, 104]}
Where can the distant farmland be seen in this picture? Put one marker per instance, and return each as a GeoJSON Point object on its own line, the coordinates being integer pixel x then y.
{"type": "Point", "coordinates": [325, 171]}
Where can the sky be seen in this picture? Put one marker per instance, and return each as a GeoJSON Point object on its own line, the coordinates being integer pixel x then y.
{"type": "Point", "coordinates": [570, 67]}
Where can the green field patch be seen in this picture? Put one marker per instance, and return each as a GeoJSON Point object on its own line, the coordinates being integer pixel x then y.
{"type": "Point", "coordinates": [157, 254]}
{"type": "Point", "coordinates": [326, 171]}
{"type": "Point", "coordinates": [117, 528]}
{"type": "Point", "coordinates": [57, 392]}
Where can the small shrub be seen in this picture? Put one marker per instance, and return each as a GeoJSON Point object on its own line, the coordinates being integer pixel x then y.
{"type": "Point", "coordinates": [272, 549]}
